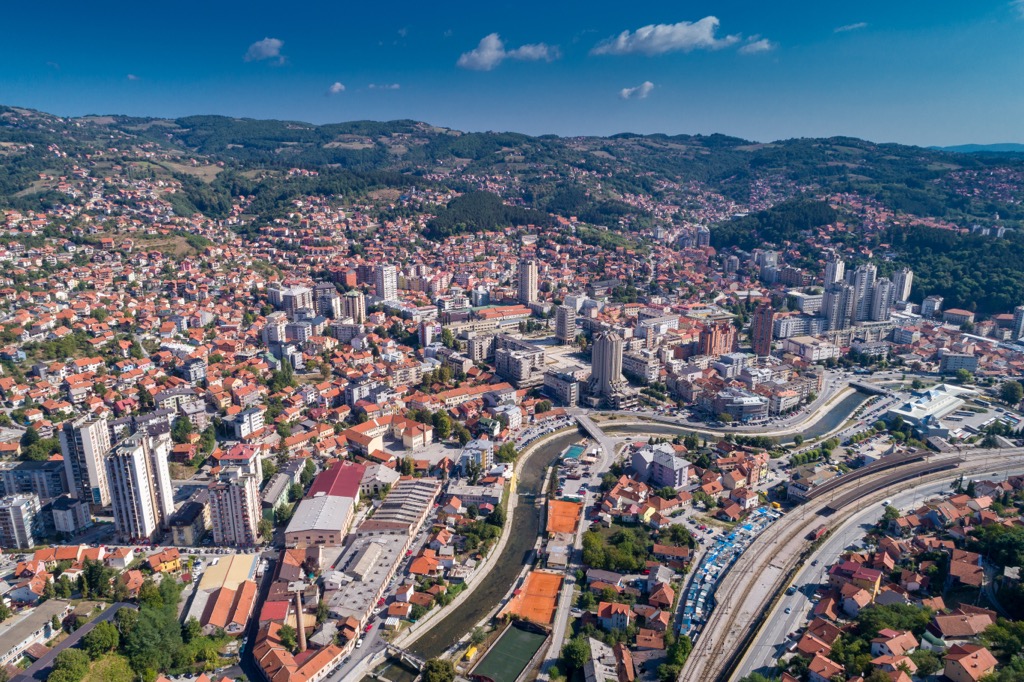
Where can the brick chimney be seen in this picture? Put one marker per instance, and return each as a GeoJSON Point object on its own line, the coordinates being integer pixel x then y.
{"type": "Point", "coordinates": [299, 626]}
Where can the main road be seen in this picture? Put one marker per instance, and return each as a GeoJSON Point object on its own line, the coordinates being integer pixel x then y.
{"type": "Point", "coordinates": [752, 583]}
{"type": "Point", "coordinates": [771, 639]}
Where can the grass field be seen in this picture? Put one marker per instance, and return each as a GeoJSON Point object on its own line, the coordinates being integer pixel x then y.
{"type": "Point", "coordinates": [509, 656]}
{"type": "Point", "coordinates": [110, 668]}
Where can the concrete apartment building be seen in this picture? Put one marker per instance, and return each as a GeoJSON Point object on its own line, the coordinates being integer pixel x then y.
{"type": "Point", "coordinates": [235, 510]}
{"type": "Point", "coordinates": [84, 443]}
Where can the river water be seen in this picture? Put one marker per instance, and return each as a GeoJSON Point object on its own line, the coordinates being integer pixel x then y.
{"type": "Point", "coordinates": [523, 536]}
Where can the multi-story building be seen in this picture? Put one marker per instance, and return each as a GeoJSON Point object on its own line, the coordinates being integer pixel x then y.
{"type": "Point", "coordinates": [328, 303]}
{"type": "Point", "coordinates": [291, 299]}
{"type": "Point", "coordinates": [84, 442]}
{"type": "Point", "coordinates": [565, 324]}
{"type": "Point", "coordinates": [716, 339]}
{"type": "Point", "coordinates": [70, 516]}
{"type": "Point", "coordinates": [140, 487]}
{"type": "Point", "coordinates": [839, 305]}
{"type": "Point", "coordinates": [520, 362]}
{"type": "Point", "coordinates": [811, 349]}
{"type": "Point", "coordinates": [931, 306]}
{"type": "Point", "coordinates": [835, 270]}
{"type": "Point", "coordinates": [1018, 323]}
{"type": "Point", "coordinates": [19, 524]}
{"type": "Point", "coordinates": [882, 299]}
{"type": "Point", "coordinates": [45, 479]}
{"type": "Point", "coordinates": [761, 329]}
{"type": "Point", "coordinates": [903, 282]}
{"type": "Point", "coordinates": [248, 422]}
{"type": "Point", "coordinates": [863, 290]}
{"type": "Point", "coordinates": [564, 388]}
{"type": "Point", "coordinates": [386, 282]}
{"type": "Point", "coordinates": [354, 306]}
{"type": "Point", "coordinates": [527, 281]}
{"type": "Point", "coordinates": [607, 384]}
{"type": "Point", "coordinates": [235, 508]}
{"type": "Point", "coordinates": [643, 365]}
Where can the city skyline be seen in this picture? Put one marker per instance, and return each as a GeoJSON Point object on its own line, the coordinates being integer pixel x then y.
{"type": "Point", "coordinates": [913, 73]}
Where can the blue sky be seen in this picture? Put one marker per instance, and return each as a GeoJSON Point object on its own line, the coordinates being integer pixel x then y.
{"type": "Point", "coordinates": [940, 72]}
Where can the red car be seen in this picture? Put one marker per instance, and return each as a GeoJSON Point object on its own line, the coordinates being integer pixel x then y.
{"type": "Point", "coordinates": [369, 626]}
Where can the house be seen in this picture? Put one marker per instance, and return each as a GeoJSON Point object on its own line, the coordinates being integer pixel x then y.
{"type": "Point", "coordinates": [166, 561]}
{"type": "Point", "coordinates": [893, 643]}
{"type": "Point", "coordinates": [662, 596]}
{"type": "Point", "coordinates": [823, 669]}
{"type": "Point", "coordinates": [968, 663]}
{"type": "Point", "coordinates": [614, 616]}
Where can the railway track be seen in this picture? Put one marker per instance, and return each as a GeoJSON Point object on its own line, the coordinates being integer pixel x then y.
{"type": "Point", "coordinates": [755, 581]}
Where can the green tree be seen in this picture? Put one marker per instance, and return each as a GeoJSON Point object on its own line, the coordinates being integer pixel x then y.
{"type": "Point", "coordinates": [101, 639]}
{"type": "Point", "coordinates": [438, 670]}
{"type": "Point", "coordinates": [181, 430]}
{"type": "Point", "coordinates": [288, 637]}
{"type": "Point", "coordinates": [442, 424]}
{"type": "Point", "coordinates": [507, 452]}
{"type": "Point", "coordinates": [295, 492]}
{"type": "Point", "coordinates": [266, 529]}
{"type": "Point", "coordinates": [73, 663]}
{"type": "Point", "coordinates": [308, 472]}
{"type": "Point", "coordinates": [191, 630]}
{"type": "Point", "coordinates": [575, 653]}
{"type": "Point", "coordinates": [926, 661]}
{"type": "Point", "coordinates": [542, 406]}
{"type": "Point", "coordinates": [1011, 392]}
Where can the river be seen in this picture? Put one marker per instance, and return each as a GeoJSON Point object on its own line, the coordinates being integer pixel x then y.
{"type": "Point", "coordinates": [835, 417]}
{"type": "Point", "coordinates": [524, 529]}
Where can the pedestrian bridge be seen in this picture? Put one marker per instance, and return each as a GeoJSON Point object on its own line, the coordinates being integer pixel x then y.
{"type": "Point", "coordinates": [406, 657]}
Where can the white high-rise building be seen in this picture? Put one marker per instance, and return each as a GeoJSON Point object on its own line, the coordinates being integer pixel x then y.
{"type": "Point", "coordinates": [903, 282]}
{"type": "Point", "coordinates": [565, 324]}
{"type": "Point", "coordinates": [159, 454]}
{"type": "Point", "coordinates": [835, 269]}
{"type": "Point", "coordinates": [354, 306]}
{"type": "Point", "coordinates": [882, 299]}
{"type": "Point", "coordinates": [386, 281]}
{"type": "Point", "coordinates": [863, 289]}
{"type": "Point", "coordinates": [527, 281]}
{"type": "Point", "coordinates": [838, 306]}
{"type": "Point", "coordinates": [235, 508]}
{"type": "Point", "coordinates": [18, 522]}
{"type": "Point", "coordinates": [138, 490]}
{"type": "Point", "coordinates": [84, 443]}
{"type": "Point", "coordinates": [1018, 323]}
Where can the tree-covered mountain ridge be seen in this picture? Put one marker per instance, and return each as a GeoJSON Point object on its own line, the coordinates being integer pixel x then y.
{"type": "Point", "coordinates": [912, 179]}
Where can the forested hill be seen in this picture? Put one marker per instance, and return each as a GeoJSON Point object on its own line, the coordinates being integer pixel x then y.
{"type": "Point", "coordinates": [553, 174]}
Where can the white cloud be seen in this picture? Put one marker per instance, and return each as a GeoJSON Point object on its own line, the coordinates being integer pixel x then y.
{"type": "Point", "coordinates": [856, 27]}
{"type": "Point", "coordinates": [1019, 6]}
{"type": "Point", "coordinates": [384, 86]}
{"type": "Point", "coordinates": [491, 52]}
{"type": "Point", "coordinates": [757, 45]}
{"type": "Point", "coordinates": [132, 77]}
{"type": "Point", "coordinates": [268, 48]}
{"type": "Point", "coordinates": [656, 39]}
{"type": "Point", "coordinates": [336, 88]}
{"type": "Point", "coordinates": [639, 92]}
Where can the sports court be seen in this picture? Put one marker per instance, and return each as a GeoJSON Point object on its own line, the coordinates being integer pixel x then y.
{"type": "Point", "coordinates": [562, 516]}
{"type": "Point", "coordinates": [537, 599]}
{"type": "Point", "coordinates": [510, 654]}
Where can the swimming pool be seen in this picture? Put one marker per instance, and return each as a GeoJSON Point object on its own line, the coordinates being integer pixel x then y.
{"type": "Point", "coordinates": [573, 452]}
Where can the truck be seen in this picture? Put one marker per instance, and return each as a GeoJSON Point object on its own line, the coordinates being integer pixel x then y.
{"type": "Point", "coordinates": [817, 533]}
